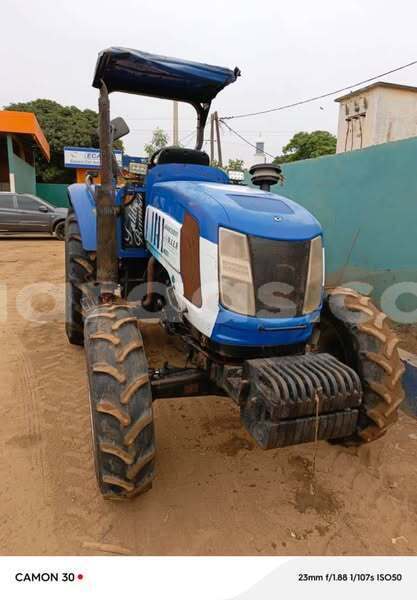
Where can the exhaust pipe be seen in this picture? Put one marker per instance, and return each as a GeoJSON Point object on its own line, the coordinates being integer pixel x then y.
{"type": "Point", "coordinates": [107, 260]}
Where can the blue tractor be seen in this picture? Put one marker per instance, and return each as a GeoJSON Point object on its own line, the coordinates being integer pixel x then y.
{"type": "Point", "coordinates": [236, 272]}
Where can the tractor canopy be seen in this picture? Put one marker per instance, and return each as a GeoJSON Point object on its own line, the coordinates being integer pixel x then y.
{"type": "Point", "coordinates": [137, 72]}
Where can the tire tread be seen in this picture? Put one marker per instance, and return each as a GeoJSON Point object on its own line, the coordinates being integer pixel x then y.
{"type": "Point", "coordinates": [378, 362]}
{"type": "Point", "coordinates": [120, 402]}
{"type": "Point", "coordinates": [79, 276]}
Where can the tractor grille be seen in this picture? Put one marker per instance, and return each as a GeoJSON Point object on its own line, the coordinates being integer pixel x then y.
{"type": "Point", "coordinates": [279, 270]}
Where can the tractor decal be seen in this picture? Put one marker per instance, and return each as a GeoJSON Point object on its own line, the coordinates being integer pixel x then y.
{"type": "Point", "coordinates": [133, 225]}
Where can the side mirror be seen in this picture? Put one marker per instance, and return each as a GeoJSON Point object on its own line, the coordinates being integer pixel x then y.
{"type": "Point", "coordinates": [118, 128]}
{"type": "Point", "coordinates": [43, 208]}
{"type": "Point", "coordinates": [89, 178]}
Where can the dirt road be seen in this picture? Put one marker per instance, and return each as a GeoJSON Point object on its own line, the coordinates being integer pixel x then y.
{"type": "Point", "coordinates": [215, 492]}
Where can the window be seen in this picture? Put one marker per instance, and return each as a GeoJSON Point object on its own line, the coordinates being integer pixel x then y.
{"type": "Point", "coordinates": [6, 201]}
{"type": "Point", "coordinates": [28, 203]}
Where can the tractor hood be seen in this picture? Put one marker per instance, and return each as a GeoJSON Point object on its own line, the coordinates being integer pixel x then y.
{"type": "Point", "coordinates": [236, 207]}
{"type": "Point", "coordinates": [137, 72]}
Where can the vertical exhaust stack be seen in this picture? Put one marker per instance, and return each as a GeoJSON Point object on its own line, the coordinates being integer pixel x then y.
{"type": "Point", "coordinates": [265, 174]}
{"type": "Point", "coordinates": [107, 261]}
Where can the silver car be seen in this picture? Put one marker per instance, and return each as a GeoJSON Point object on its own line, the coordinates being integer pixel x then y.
{"type": "Point", "coordinates": [28, 214]}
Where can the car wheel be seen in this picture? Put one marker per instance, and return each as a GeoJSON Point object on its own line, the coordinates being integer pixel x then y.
{"type": "Point", "coordinates": [59, 230]}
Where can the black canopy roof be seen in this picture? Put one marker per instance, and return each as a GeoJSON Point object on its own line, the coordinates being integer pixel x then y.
{"type": "Point", "coordinates": [137, 72]}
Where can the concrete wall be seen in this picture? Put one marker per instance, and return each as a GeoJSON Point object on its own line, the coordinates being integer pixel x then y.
{"type": "Point", "coordinates": [366, 202]}
{"type": "Point", "coordinates": [397, 115]}
{"type": "Point", "coordinates": [54, 193]}
{"type": "Point", "coordinates": [383, 115]}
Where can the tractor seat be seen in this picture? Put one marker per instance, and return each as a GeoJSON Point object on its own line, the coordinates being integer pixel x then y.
{"type": "Point", "coordinates": [173, 154]}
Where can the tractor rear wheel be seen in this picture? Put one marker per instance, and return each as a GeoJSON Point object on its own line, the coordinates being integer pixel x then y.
{"type": "Point", "coordinates": [353, 330]}
{"type": "Point", "coordinates": [80, 273]}
{"type": "Point", "coordinates": [120, 402]}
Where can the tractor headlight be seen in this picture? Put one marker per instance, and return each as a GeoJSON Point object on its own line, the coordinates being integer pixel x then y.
{"type": "Point", "coordinates": [315, 276]}
{"type": "Point", "coordinates": [235, 273]}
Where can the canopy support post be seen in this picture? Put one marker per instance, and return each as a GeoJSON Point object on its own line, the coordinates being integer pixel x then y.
{"type": "Point", "coordinates": [202, 114]}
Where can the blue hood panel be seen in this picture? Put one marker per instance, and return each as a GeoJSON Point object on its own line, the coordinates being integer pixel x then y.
{"type": "Point", "coordinates": [237, 207]}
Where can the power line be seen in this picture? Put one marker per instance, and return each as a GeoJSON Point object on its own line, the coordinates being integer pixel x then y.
{"type": "Point", "coordinates": [156, 118]}
{"type": "Point", "coordinates": [243, 138]}
{"type": "Point", "coordinates": [321, 96]}
{"type": "Point", "coordinates": [188, 135]}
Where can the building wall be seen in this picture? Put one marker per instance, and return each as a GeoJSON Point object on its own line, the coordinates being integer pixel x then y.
{"type": "Point", "coordinates": [397, 115]}
{"type": "Point", "coordinates": [54, 193]}
{"type": "Point", "coordinates": [366, 202]}
{"type": "Point", "coordinates": [390, 115]}
{"type": "Point", "coordinates": [357, 133]}
{"type": "Point", "coordinates": [4, 165]}
{"type": "Point", "coordinates": [25, 176]}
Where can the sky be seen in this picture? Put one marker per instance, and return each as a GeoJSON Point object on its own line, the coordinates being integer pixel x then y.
{"type": "Point", "coordinates": [287, 51]}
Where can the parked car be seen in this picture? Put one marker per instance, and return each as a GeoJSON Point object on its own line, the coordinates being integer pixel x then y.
{"type": "Point", "coordinates": [25, 213]}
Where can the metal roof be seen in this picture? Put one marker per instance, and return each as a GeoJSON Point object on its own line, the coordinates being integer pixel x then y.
{"type": "Point", "coordinates": [24, 123]}
{"type": "Point", "coordinates": [387, 84]}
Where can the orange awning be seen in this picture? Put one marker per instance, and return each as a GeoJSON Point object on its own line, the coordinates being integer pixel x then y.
{"type": "Point", "coordinates": [26, 123]}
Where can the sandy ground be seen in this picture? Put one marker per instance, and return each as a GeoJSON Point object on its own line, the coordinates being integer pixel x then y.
{"type": "Point", "coordinates": [215, 492]}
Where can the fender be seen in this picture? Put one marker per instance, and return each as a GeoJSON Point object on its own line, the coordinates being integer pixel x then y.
{"type": "Point", "coordinates": [81, 199]}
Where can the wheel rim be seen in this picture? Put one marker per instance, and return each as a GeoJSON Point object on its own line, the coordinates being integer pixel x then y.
{"type": "Point", "coordinates": [60, 231]}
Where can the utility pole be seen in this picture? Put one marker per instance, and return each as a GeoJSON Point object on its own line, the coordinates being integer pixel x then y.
{"type": "Point", "coordinates": [175, 140]}
{"type": "Point", "coordinates": [211, 138]}
{"type": "Point", "coordinates": [219, 145]}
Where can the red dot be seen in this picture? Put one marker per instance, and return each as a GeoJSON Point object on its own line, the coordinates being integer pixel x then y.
{"type": "Point", "coordinates": [80, 576]}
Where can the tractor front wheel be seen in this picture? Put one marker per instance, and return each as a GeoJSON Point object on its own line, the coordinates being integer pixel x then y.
{"type": "Point", "coordinates": [120, 402]}
{"type": "Point", "coordinates": [353, 330]}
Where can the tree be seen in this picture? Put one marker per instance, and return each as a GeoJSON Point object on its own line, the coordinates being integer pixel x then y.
{"type": "Point", "coordinates": [159, 141]}
{"type": "Point", "coordinates": [62, 126]}
{"type": "Point", "coordinates": [235, 164]}
{"type": "Point", "coordinates": [307, 145]}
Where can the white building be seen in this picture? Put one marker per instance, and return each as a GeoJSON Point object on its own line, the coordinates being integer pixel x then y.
{"type": "Point", "coordinates": [379, 113]}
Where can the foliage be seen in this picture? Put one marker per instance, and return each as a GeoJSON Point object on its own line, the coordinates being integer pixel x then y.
{"type": "Point", "coordinates": [235, 164]}
{"type": "Point", "coordinates": [307, 145]}
{"type": "Point", "coordinates": [159, 141]}
{"type": "Point", "coordinates": [62, 126]}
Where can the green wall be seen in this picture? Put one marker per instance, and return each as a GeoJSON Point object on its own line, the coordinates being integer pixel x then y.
{"type": "Point", "coordinates": [24, 174]}
{"type": "Point", "coordinates": [366, 202]}
{"type": "Point", "coordinates": [55, 193]}
{"type": "Point", "coordinates": [25, 177]}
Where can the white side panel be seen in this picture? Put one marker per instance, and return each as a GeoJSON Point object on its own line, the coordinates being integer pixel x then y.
{"type": "Point", "coordinates": [204, 317]}
{"type": "Point", "coordinates": [163, 236]}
